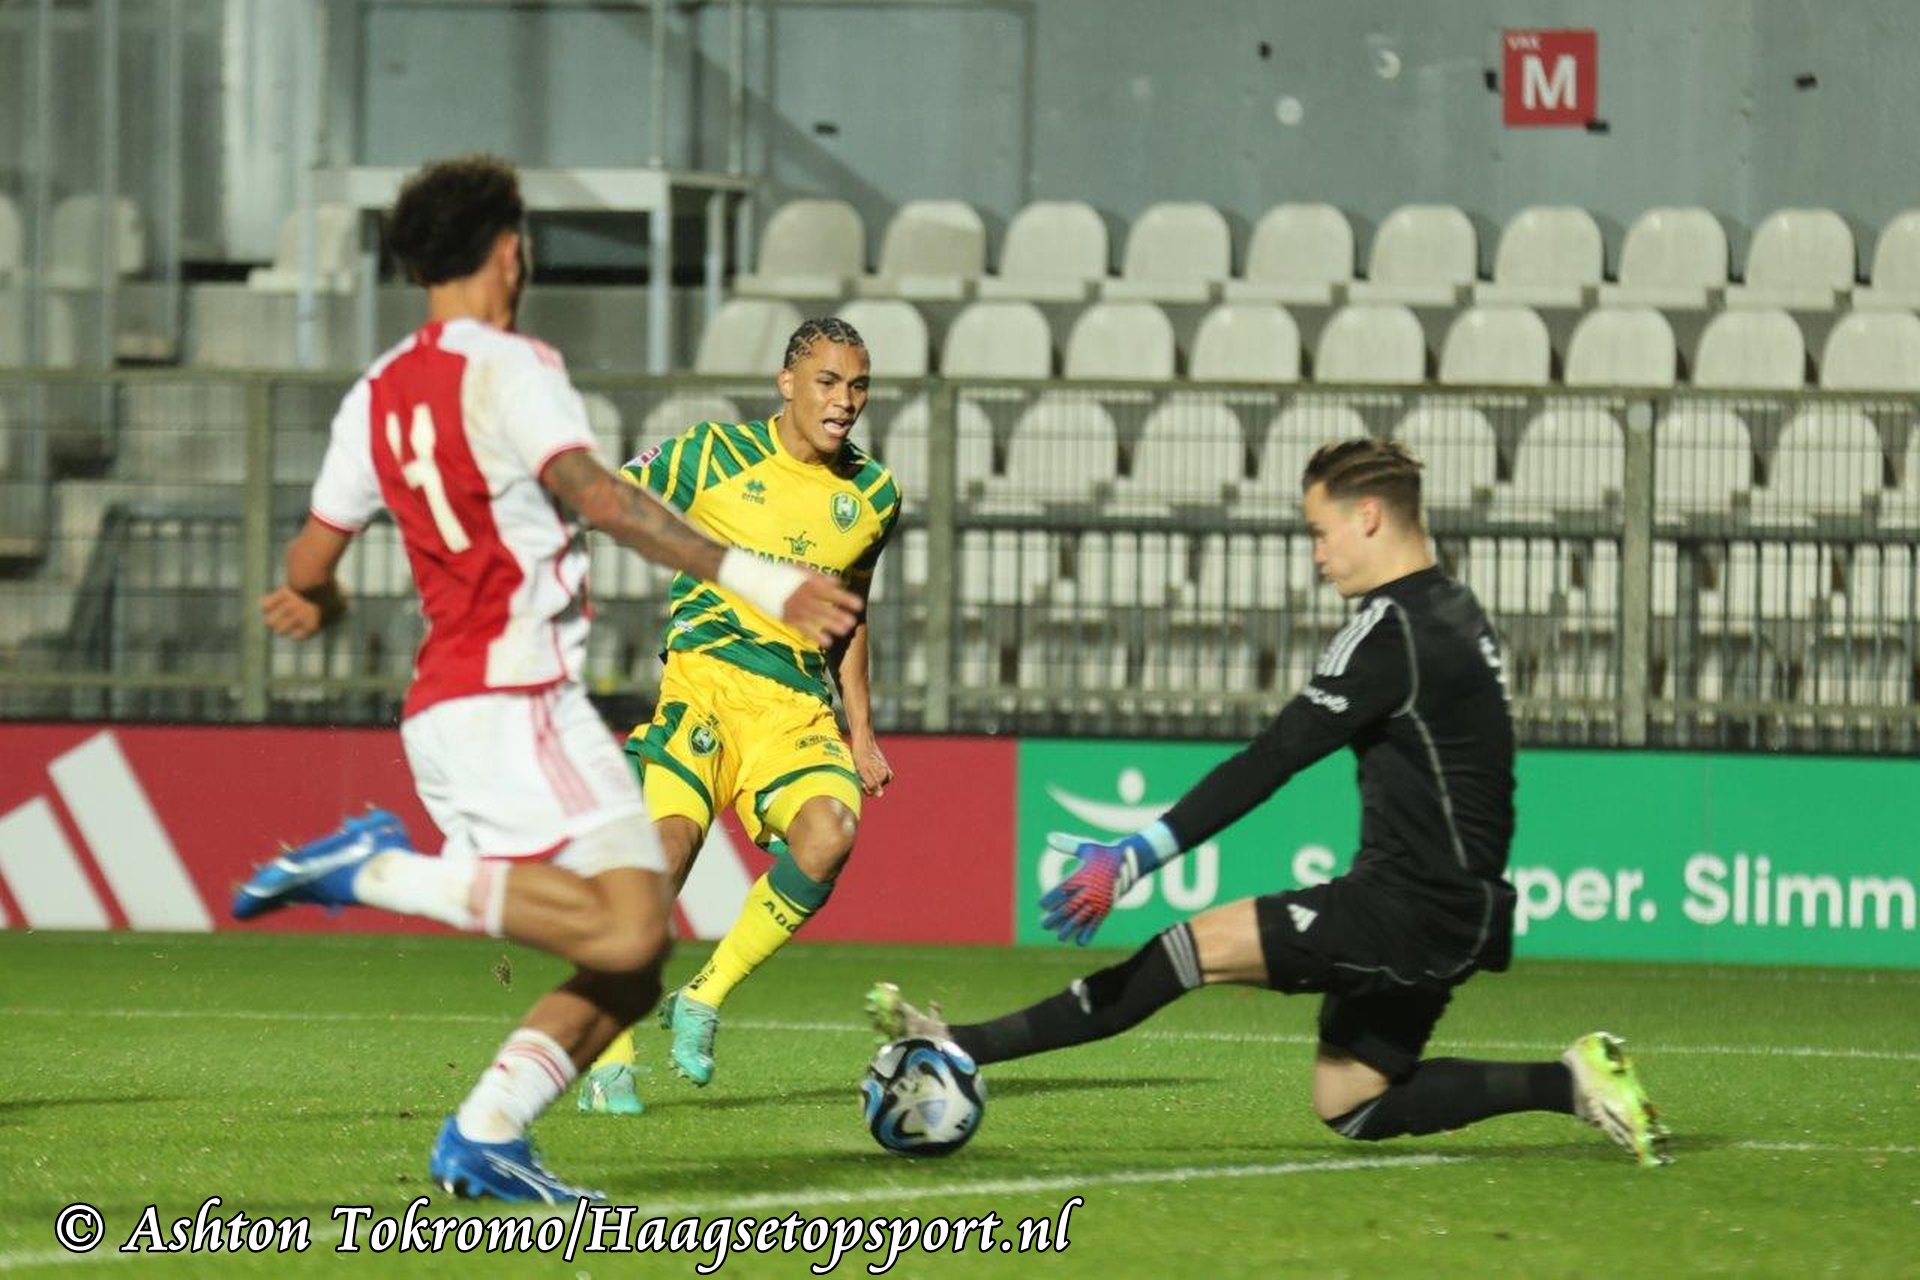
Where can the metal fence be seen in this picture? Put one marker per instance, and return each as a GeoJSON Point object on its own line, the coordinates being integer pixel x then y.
{"type": "Point", "coordinates": [1678, 569]}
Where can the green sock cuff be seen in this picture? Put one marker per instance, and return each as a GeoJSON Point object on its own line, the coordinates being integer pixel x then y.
{"type": "Point", "coordinates": [793, 884]}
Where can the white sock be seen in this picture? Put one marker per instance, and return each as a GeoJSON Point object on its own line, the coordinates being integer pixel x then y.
{"type": "Point", "coordinates": [530, 1071]}
{"type": "Point", "coordinates": [470, 896]}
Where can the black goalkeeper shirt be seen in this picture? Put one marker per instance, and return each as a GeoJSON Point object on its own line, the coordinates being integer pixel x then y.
{"type": "Point", "coordinates": [1414, 684]}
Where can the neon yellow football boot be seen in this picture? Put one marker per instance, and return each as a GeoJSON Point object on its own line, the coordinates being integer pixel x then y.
{"type": "Point", "coordinates": [1608, 1095]}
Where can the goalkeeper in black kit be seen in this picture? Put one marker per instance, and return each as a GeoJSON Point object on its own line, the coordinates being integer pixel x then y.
{"type": "Point", "coordinates": [1414, 685]}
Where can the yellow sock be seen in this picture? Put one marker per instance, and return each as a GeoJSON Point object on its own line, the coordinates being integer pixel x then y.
{"type": "Point", "coordinates": [767, 919]}
{"type": "Point", "coordinates": [619, 1053]}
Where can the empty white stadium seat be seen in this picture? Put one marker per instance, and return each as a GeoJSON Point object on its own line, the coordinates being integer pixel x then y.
{"type": "Point", "coordinates": [1570, 458]}
{"type": "Point", "coordinates": [1004, 566]}
{"type": "Point", "coordinates": [1879, 589]}
{"type": "Point", "coordinates": [1497, 346]}
{"type": "Point", "coordinates": [895, 334]}
{"type": "Point", "coordinates": [1828, 460]}
{"type": "Point", "coordinates": [1673, 258]}
{"type": "Point", "coordinates": [998, 340]}
{"type": "Point", "coordinates": [1300, 253]}
{"type": "Point", "coordinates": [1896, 267]}
{"type": "Point", "coordinates": [1177, 251]}
{"type": "Point", "coordinates": [1061, 448]}
{"type": "Point", "coordinates": [1622, 347]}
{"type": "Point", "coordinates": [1190, 450]}
{"type": "Point", "coordinates": [1372, 343]}
{"type": "Point", "coordinates": [933, 250]}
{"type": "Point", "coordinates": [905, 449]}
{"type": "Point", "coordinates": [810, 249]}
{"type": "Point", "coordinates": [1702, 457]}
{"type": "Point", "coordinates": [60, 342]}
{"type": "Point", "coordinates": [1290, 439]}
{"type": "Point", "coordinates": [1055, 251]}
{"type": "Point", "coordinates": [73, 255]}
{"type": "Point", "coordinates": [1856, 673]}
{"type": "Point", "coordinates": [1800, 259]}
{"type": "Point", "coordinates": [747, 336]}
{"type": "Point", "coordinates": [336, 252]}
{"type": "Point", "coordinates": [1900, 509]}
{"type": "Point", "coordinates": [1121, 340]}
{"type": "Point", "coordinates": [1873, 351]}
{"type": "Point", "coordinates": [674, 415]}
{"type": "Point", "coordinates": [1423, 255]}
{"type": "Point", "coordinates": [1246, 342]}
{"type": "Point", "coordinates": [1547, 257]}
{"type": "Point", "coordinates": [1751, 349]}
{"type": "Point", "coordinates": [1457, 450]}
{"type": "Point", "coordinates": [10, 240]}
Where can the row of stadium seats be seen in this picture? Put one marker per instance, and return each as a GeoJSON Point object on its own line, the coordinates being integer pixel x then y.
{"type": "Point", "coordinates": [1181, 251]}
{"type": "Point", "coordinates": [1719, 589]}
{"type": "Point", "coordinates": [1829, 462]}
{"type": "Point", "coordinates": [1361, 343]}
{"type": "Point", "coordinates": [73, 240]}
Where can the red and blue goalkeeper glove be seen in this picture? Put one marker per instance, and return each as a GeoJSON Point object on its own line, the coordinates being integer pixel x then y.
{"type": "Point", "coordinates": [1077, 905]}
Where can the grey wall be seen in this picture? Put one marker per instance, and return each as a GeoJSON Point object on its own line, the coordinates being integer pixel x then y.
{"type": "Point", "coordinates": [1118, 102]}
{"type": "Point", "coordinates": [1124, 102]}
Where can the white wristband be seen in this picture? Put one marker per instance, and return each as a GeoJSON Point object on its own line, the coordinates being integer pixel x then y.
{"type": "Point", "coordinates": [765, 585]}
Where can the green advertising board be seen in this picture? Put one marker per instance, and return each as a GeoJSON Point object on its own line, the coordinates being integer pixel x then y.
{"type": "Point", "coordinates": [1618, 855]}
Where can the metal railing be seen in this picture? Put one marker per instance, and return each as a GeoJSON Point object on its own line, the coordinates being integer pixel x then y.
{"type": "Point", "coordinates": [1683, 569]}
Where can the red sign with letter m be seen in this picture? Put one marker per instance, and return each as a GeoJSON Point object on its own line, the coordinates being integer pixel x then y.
{"type": "Point", "coordinates": [1550, 78]}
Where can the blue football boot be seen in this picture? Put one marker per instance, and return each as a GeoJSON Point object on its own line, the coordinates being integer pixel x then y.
{"type": "Point", "coordinates": [321, 871]}
{"type": "Point", "coordinates": [497, 1170]}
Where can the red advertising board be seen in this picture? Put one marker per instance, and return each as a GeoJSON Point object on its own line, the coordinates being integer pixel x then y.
{"type": "Point", "coordinates": [151, 828]}
{"type": "Point", "coordinates": [1550, 78]}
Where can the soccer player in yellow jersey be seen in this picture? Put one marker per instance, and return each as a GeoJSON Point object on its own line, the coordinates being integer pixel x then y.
{"type": "Point", "coordinates": [745, 716]}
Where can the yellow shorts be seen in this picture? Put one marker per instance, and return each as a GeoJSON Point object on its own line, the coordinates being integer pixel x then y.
{"type": "Point", "coordinates": [722, 735]}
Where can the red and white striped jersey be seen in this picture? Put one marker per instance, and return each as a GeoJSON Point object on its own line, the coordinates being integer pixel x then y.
{"type": "Point", "coordinates": [450, 431]}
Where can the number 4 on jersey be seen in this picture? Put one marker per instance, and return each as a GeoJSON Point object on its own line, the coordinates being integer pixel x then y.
{"type": "Point", "coordinates": [422, 473]}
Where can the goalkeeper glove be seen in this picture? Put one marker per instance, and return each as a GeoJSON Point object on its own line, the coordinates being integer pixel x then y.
{"type": "Point", "coordinates": [1076, 906]}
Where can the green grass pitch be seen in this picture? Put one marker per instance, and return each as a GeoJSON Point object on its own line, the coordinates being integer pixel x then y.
{"type": "Point", "coordinates": [288, 1075]}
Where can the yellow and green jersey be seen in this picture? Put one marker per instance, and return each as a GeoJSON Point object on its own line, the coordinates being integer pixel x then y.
{"type": "Point", "coordinates": [737, 483]}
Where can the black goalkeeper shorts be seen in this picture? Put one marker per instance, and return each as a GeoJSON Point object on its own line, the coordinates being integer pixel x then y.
{"type": "Point", "coordinates": [1362, 949]}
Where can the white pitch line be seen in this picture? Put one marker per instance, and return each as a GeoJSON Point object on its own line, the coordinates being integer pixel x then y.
{"type": "Point", "coordinates": [849, 1028]}
{"type": "Point", "coordinates": [1034, 1186]}
{"type": "Point", "coordinates": [1828, 1146]}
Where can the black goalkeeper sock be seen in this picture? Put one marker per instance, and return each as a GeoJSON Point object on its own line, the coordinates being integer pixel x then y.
{"type": "Point", "coordinates": [1092, 1008]}
{"type": "Point", "coordinates": [1449, 1093]}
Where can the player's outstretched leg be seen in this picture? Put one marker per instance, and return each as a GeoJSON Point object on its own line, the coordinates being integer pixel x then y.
{"type": "Point", "coordinates": [609, 1088]}
{"type": "Point", "coordinates": [892, 1018]}
{"type": "Point", "coordinates": [1099, 1005]}
{"type": "Point", "coordinates": [322, 871]}
{"type": "Point", "coordinates": [1608, 1095]}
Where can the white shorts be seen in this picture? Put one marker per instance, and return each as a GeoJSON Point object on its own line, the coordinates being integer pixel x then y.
{"type": "Point", "coordinates": [527, 775]}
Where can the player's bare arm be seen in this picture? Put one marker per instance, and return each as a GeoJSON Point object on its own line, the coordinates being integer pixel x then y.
{"type": "Point", "coordinates": [310, 599]}
{"type": "Point", "coordinates": [812, 603]}
{"type": "Point", "coordinates": [851, 668]}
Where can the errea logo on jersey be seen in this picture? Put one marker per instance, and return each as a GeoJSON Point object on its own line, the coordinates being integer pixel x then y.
{"type": "Point", "coordinates": [135, 857]}
{"type": "Point", "coordinates": [1321, 698]}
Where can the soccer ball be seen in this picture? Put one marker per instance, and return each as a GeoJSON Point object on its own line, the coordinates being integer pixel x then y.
{"type": "Point", "coordinates": [922, 1097]}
